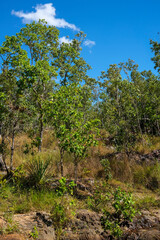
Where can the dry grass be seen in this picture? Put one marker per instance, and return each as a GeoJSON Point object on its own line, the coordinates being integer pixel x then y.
{"type": "Point", "coordinates": [139, 175]}
{"type": "Point", "coordinates": [19, 157]}
{"type": "Point", "coordinates": [49, 140]}
{"type": "Point", "coordinates": [145, 198]}
{"type": "Point", "coordinates": [148, 144]}
{"type": "Point", "coordinates": [121, 169]}
{"type": "Point", "coordinates": [90, 167]}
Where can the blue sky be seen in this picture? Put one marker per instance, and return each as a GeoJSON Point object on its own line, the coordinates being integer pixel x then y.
{"type": "Point", "coordinates": [116, 30]}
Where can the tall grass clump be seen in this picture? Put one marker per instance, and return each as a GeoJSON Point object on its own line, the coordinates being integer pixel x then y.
{"type": "Point", "coordinates": [38, 170]}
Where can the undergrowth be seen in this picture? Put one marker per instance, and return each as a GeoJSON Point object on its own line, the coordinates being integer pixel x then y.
{"type": "Point", "coordinates": [31, 188]}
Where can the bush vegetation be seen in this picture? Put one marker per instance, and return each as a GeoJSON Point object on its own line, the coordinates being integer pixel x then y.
{"type": "Point", "coordinates": [55, 131]}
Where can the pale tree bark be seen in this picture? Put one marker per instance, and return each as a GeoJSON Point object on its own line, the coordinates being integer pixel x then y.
{"type": "Point", "coordinates": [3, 153]}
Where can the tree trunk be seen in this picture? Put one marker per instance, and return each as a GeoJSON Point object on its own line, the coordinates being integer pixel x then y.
{"type": "Point", "coordinates": [61, 161]}
{"type": "Point", "coordinates": [3, 154]}
{"type": "Point", "coordinates": [12, 151]}
{"type": "Point", "coordinates": [40, 133]}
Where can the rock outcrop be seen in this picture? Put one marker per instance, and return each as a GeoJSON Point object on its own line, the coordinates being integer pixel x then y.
{"type": "Point", "coordinates": [85, 225]}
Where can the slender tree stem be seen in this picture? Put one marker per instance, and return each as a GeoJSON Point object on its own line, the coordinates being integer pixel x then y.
{"type": "Point", "coordinates": [40, 133]}
{"type": "Point", "coordinates": [12, 151]}
{"type": "Point", "coordinates": [3, 154]}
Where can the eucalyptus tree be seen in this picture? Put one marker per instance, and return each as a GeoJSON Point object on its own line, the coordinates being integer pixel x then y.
{"type": "Point", "coordinates": [41, 42]}
{"type": "Point", "coordinates": [72, 68]}
{"type": "Point", "coordinates": [3, 125]}
{"type": "Point", "coordinates": [50, 59]}
{"type": "Point", "coordinates": [13, 116]}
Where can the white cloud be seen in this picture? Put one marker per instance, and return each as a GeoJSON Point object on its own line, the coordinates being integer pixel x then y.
{"type": "Point", "coordinates": [47, 12]}
{"type": "Point", "coordinates": [89, 43]}
{"type": "Point", "coordinates": [65, 40]}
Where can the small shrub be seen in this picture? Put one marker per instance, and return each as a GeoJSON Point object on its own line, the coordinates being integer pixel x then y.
{"type": "Point", "coordinates": [61, 214]}
{"type": "Point", "coordinates": [123, 205]}
{"type": "Point", "coordinates": [10, 227]}
{"type": "Point", "coordinates": [58, 215]}
{"type": "Point", "coordinates": [64, 188]}
{"type": "Point", "coordinates": [19, 177]}
{"type": "Point", "coordinates": [3, 185]}
{"type": "Point", "coordinates": [100, 198]}
{"type": "Point", "coordinates": [34, 234]}
{"type": "Point", "coordinates": [122, 210]}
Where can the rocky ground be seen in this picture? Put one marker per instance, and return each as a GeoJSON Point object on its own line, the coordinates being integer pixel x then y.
{"type": "Point", "coordinates": [86, 225]}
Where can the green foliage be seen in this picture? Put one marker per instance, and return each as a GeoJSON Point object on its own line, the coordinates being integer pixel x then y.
{"type": "Point", "coordinates": [10, 228]}
{"type": "Point", "coordinates": [13, 114]}
{"type": "Point", "coordinates": [34, 234]}
{"type": "Point", "coordinates": [123, 205]}
{"type": "Point", "coordinates": [61, 214]}
{"type": "Point", "coordinates": [155, 46]}
{"type": "Point", "coordinates": [112, 226]}
{"type": "Point", "coordinates": [116, 205]}
{"type": "Point", "coordinates": [71, 67]}
{"type": "Point", "coordinates": [71, 187]}
{"type": "Point", "coordinates": [129, 106]}
{"type": "Point", "coordinates": [64, 188]}
{"type": "Point", "coordinates": [18, 176]}
{"type": "Point", "coordinates": [101, 197]}
{"type": "Point", "coordinates": [3, 185]}
{"type": "Point", "coordinates": [59, 218]}
{"type": "Point", "coordinates": [75, 133]}
{"type": "Point", "coordinates": [123, 210]}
